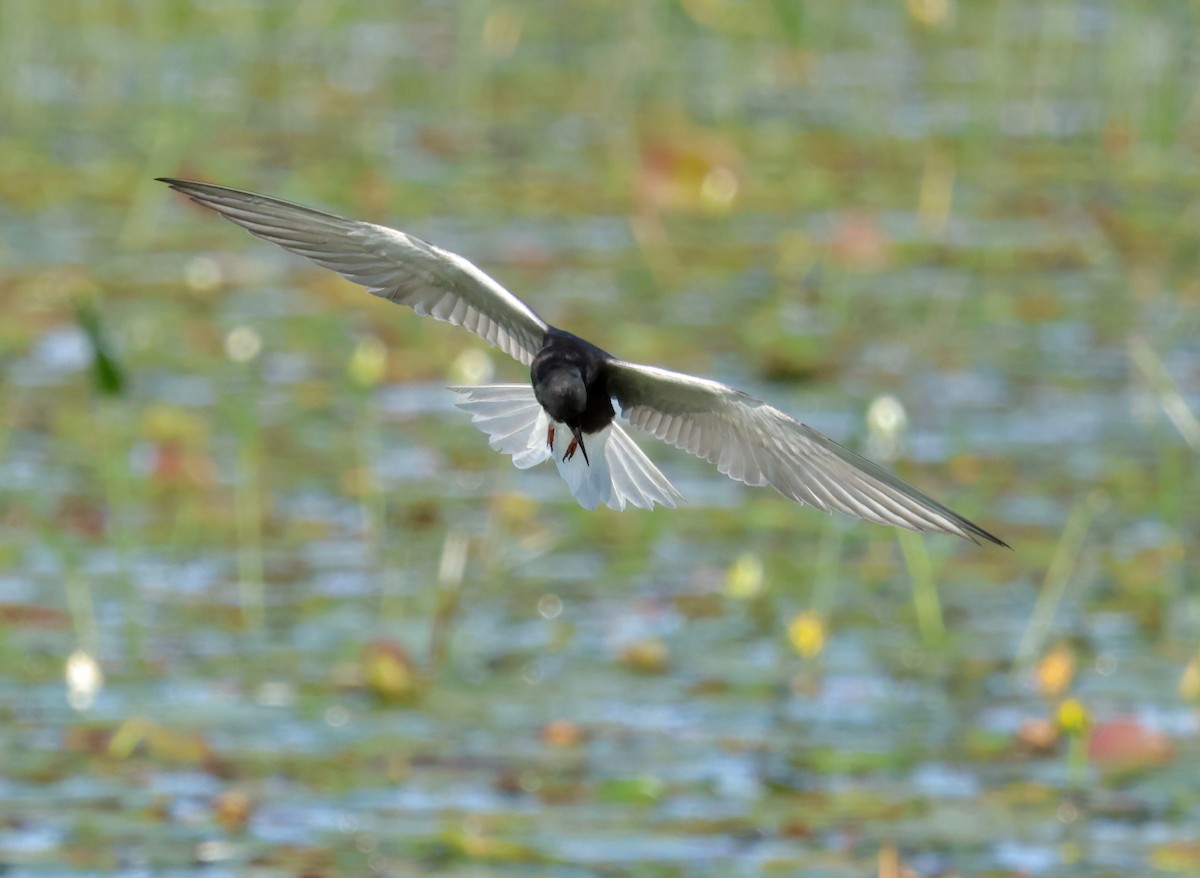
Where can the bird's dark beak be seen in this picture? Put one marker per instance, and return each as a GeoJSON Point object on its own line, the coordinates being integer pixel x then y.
{"type": "Point", "coordinates": [577, 442]}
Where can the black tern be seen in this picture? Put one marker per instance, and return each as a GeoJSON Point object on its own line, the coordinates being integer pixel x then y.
{"type": "Point", "coordinates": [567, 411]}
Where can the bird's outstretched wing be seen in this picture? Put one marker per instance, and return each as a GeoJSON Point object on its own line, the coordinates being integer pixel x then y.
{"type": "Point", "coordinates": [391, 264]}
{"type": "Point", "coordinates": [755, 443]}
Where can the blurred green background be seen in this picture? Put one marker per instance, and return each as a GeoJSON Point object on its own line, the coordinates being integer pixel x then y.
{"type": "Point", "coordinates": [269, 605]}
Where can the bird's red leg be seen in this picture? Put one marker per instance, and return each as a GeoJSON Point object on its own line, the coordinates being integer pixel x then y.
{"type": "Point", "coordinates": [550, 437]}
{"type": "Point", "coordinates": [577, 442]}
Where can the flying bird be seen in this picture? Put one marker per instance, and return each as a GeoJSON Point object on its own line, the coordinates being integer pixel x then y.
{"type": "Point", "coordinates": [567, 411]}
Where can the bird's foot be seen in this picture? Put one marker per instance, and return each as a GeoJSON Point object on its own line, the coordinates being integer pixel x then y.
{"type": "Point", "coordinates": [550, 437]}
{"type": "Point", "coordinates": [577, 442]}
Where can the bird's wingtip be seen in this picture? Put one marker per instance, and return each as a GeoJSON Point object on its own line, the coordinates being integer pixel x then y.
{"type": "Point", "coordinates": [977, 531]}
{"type": "Point", "coordinates": [188, 187]}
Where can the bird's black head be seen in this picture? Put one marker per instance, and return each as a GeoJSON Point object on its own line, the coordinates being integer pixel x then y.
{"type": "Point", "coordinates": [563, 394]}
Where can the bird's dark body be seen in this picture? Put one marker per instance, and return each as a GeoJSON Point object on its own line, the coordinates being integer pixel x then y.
{"type": "Point", "coordinates": [570, 382]}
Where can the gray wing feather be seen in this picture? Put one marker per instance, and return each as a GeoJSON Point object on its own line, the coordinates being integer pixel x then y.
{"type": "Point", "coordinates": [391, 264]}
{"type": "Point", "coordinates": [758, 444]}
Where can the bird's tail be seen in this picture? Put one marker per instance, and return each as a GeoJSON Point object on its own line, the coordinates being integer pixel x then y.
{"type": "Point", "coordinates": [615, 472]}
{"type": "Point", "coordinates": [512, 418]}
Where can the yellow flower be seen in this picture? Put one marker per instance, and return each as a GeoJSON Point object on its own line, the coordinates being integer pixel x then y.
{"type": "Point", "coordinates": [931, 13]}
{"type": "Point", "coordinates": [1189, 683]}
{"type": "Point", "coordinates": [1054, 672]}
{"type": "Point", "coordinates": [368, 363]}
{"type": "Point", "coordinates": [1073, 717]}
{"type": "Point", "coordinates": [807, 633]}
{"type": "Point", "coordinates": [744, 578]}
